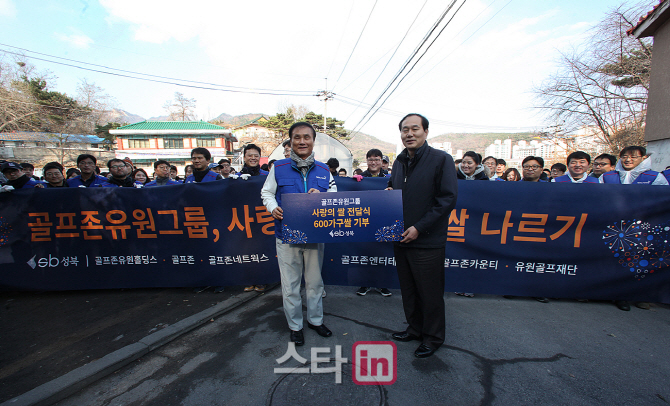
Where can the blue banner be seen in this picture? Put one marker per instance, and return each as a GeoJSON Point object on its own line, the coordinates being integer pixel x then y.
{"type": "Point", "coordinates": [342, 217]}
{"type": "Point", "coordinates": [554, 240]}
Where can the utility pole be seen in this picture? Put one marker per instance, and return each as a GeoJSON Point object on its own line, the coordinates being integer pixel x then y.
{"type": "Point", "coordinates": [326, 95]}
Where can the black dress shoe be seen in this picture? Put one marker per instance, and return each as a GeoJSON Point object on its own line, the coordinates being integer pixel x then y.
{"type": "Point", "coordinates": [423, 351]}
{"type": "Point", "coordinates": [404, 336]}
{"type": "Point", "coordinates": [297, 337]}
{"type": "Point", "coordinates": [321, 330]}
{"type": "Point", "coordinates": [541, 299]}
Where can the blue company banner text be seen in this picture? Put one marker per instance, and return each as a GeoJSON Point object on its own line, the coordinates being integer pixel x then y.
{"type": "Point", "coordinates": [554, 240]}
{"type": "Point", "coordinates": [364, 216]}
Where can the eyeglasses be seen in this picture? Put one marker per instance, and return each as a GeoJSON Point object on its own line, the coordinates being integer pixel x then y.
{"type": "Point", "coordinates": [600, 164]}
{"type": "Point", "coordinates": [374, 160]}
{"type": "Point", "coordinates": [533, 167]}
{"type": "Point", "coordinates": [626, 157]}
{"type": "Point", "coordinates": [117, 166]}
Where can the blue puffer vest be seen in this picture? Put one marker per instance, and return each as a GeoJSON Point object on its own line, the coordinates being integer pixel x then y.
{"type": "Point", "coordinates": [566, 178]}
{"type": "Point", "coordinates": [209, 177]}
{"type": "Point", "coordinates": [290, 180]}
{"type": "Point", "coordinates": [645, 178]}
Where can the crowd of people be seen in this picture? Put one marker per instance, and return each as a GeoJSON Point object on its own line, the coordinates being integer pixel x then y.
{"type": "Point", "coordinates": [425, 175]}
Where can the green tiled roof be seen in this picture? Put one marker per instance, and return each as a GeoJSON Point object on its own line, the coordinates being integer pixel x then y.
{"type": "Point", "coordinates": [172, 125]}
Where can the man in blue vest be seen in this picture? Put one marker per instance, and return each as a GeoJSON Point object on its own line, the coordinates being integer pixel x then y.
{"type": "Point", "coordinates": [578, 166]}
{"type": "Point", "coordinates": [532, 169]}
{"type": "Point", "coordinates": [120, 171]}
{"type": "Point", "coordinates": [603, 164]}
{"type": "Point", "coordinates": [634, 167]}
{"type": "Point", "coordinates": [299, 173]}
{"type": "Point", "coordinates": [16, 178]}
{"type": "Point", "coordinates": [162, 169]}
{"type": "Point", "coordinates": [532, 172]}
{"type": "Point", "coordinates": [88, 178]}
{"type": "Point", "coordinates": [201, 173]}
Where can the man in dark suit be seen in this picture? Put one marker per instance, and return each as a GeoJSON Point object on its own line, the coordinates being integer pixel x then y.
{"type": "Point", "coordinates": [427, 177]}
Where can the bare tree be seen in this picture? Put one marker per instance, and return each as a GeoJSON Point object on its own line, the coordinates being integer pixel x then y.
{"type": "Point", "coordinates": [181, 108]}
{"type": "Point", "coordinates": [18, 107]}
{"type": "Point", "coordinates": [606, 85]}
{"type": "Point", "coordinates": [291, 110]}
{"type": "Point", "coordinates": [93, 97]}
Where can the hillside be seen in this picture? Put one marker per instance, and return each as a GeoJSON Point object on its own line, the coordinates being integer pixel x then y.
{"type": "Point", "coordinates": [362, 143]}
{"type": "Point", "coordinates": [121, 116]}
{"type": "Point", "coordinates": [222, 117]}
{"type": "Point", "coordinates": [241, 120]}
{"type": "Point", "coordinates": [479, 141]}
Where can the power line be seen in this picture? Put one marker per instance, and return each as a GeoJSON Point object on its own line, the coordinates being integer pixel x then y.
{"type": "Point", "coordinates": [167, 80]}
{"type": "Point", "coordinates": [395, 113]}
{"type": "Point", "coordinates": [356, 44]}
{"type": "Point", "coordinates": [344, 31]}
{"type": "Point", "coordinates": [408, 61]}
{"type": "Point", "coordinates": [465, 40]}
{"type": "Point", "coordinates": [394, 52]}
{"type": "Point", "coordinates": [415, 63]}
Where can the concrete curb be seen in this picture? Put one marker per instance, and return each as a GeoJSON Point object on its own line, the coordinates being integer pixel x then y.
{"type": "Point", "coordinates": [72, 382]}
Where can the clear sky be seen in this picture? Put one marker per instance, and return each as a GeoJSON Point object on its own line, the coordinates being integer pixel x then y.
{"type": "Point", "coordinates": [478, 75]}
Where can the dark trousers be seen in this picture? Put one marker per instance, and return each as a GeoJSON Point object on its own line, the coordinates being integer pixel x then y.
{"type": "Point", "coordinates": [421, 274]}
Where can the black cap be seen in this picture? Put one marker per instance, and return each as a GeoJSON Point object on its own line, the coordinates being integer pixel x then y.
{"type": "Point", "coordinates": [10, 165]}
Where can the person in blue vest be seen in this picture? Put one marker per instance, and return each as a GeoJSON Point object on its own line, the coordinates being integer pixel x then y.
{"type": "Point", "coordinates": [531, 167]}
{"type": "Point", "coordinates": [501, 167]}
{"type": "Point", "coordinates": [557, 170]}
{"type": "Point", "coordinates": [16, 178]}
{"type": "Point", "coordinates": [578, 166]}
{"type": "Point", "coordinates": [53, 174]}
{"type": "Point", "coordinates": [299, 173]}
{"type": "Point", "coordinates": [634, 167]}
{"type": "Point", "coordinates": [252, 158]}
{"type": "Point", "coordinates": [603, 164]}
{"type": "Point", "coordinates": [120, 171]}
{"type": "Point", "coordinates": [375, 160]}
{"type": "Point", "coordinates": [88, 178]}
{"type": "Point", "coordinates": [201, 173]}
{"type": "Point", "coordinates": [162, 169]}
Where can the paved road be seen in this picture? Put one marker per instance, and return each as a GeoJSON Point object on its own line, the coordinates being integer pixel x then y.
{"type": "Point", "coordinates": [44, 335]}
{"type": "Point", "coordinates": [498, 352]}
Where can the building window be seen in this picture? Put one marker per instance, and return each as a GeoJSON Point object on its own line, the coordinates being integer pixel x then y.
{"type": "Point", "coordinates": [205, 142]}
{"type": "Point", "coordinates": [173, 143]}
{"type": "Point", "coordinates": [138, 143]}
